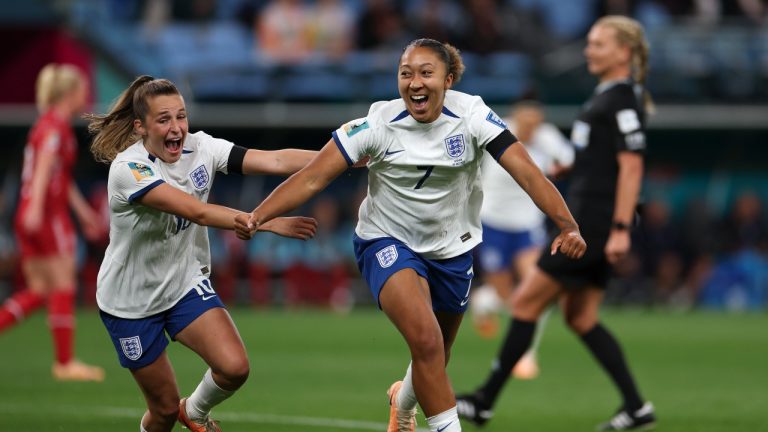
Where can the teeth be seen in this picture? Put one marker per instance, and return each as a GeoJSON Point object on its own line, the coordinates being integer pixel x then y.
{"type": "Point", "coordinates": [418, 98]}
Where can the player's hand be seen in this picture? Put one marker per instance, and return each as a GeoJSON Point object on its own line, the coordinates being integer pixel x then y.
{"type": "Point", "coordinates": [242, 230]}
{"type": "Point", "coordinates": [362, 163]}
{"type": "Point", "coordinates": [570, 243]}
{"type": "Point", "coordinates": [298, 227]}
{"type": "Point", "coordinates": [617, 246]}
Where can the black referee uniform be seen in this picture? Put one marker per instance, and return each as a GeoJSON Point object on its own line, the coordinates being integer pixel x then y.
{"type": "Point", "coordinates": [611, 121]}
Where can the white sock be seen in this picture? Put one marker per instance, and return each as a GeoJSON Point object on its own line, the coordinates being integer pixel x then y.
{"type": "Point", "coordinates": [406, 397]}
{"type": "Point", "coordinates": [446, 421]}
{"type": "Point", "coordinates": [206, 396]}
{"type": "Point", "coordinates": [141, 423]}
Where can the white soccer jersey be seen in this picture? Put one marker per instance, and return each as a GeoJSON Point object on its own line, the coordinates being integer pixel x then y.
{"type": "Point", "coordinates": [423, 179]}
{"type": "Point", "coordinates": [506, 206]}
{"type": "Point", "coordinates": [153, 257]}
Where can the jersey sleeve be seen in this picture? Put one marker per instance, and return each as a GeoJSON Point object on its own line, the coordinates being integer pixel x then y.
{"type": "Point", "coordinates": [218, 150]}
{"type": "Point", "coordinates": [488, 128]}
{"type": "Point", "coordinates": [131, 180]}
{"type": "Point", "coordinates": [555, 144]}
{"type": "Point", "coordinates": [354, 139]}
{"type": "Point", "coordinates": [629, 124]}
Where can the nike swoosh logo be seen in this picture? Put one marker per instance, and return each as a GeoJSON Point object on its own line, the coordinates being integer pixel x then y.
{"type": "Point", "coordinates": [388, 153]}
{"type": "Point", "coordinates": [444, 427]}
{"type": "Point", "coordinates": [208, 297]}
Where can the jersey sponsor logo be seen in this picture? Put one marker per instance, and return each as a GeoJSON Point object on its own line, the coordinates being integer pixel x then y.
{"type": "Point", "coordinates": [627, 120]}
{"type": "Point", "coordinates": [140, 171]}
{"type": "Point", "coordinates": [131, 347]}
{"type": "Point", "coordinates": [387, 256]}
{"type": "Point", "coordinates": [455, 145]}
{"type": "Point", "coordinates": [580, 134]}
{"type": "Point", "coordinates": [493, 118]}
{"type": "Point", "coordinates": [200, 177]}
{"type": "Point", "coordinates": [355, 126]}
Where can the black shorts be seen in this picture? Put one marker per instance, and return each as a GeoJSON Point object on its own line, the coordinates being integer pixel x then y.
{"type": "Point", "coordinates": [591, 270]}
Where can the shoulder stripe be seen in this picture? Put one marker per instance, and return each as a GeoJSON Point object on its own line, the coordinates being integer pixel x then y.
{"type": "Point", "coordinates": [140, 193]}
{"type": "Point", "coordinates": [341, 149]}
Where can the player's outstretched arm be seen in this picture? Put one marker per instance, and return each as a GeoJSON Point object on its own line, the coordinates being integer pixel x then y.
{"type": "Point", "coordinates": [300, 187]}
{"type": "Point", "coordinates": [519, 164]}
{"type": "Point", "coordinates": [168, 199]}
{"type": "Point", "coordinates": [276, 162]}
{"type": "Point", "coordinates": [298, 227]}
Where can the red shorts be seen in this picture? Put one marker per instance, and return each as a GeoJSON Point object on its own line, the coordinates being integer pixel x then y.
{"type": "Point", "coordinates": [56, 236]}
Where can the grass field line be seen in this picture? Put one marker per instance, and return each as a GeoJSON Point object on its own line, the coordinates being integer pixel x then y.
{"type": "Point", "coordinates": [122, 412]}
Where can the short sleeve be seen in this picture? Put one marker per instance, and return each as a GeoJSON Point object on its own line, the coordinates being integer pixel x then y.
{"type": "Point", "coordinates": [132, 180]}
{"type": "Point", "coordinates": [218, 150]}
{"type": "Point", "coordinates": [485, 124]}
{"type": "Point", "coordinates": [629, 124]}
{"type": "Point", "coordinates": [354, 139]}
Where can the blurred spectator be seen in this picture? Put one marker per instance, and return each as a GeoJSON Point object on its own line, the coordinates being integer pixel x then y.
{"type": "Point", "coordinates": [659, 247]}
{"type": "Point", "coordinates": [382, 27]}
{"type": "Point", "coordinates": [283, 32]}
{"type": "Point", "coordinates": [744, 227]}
{"type": "Point", "coordinates": [333, 31]}
{"type": "Point", "coordinates": [486, 27]}
{"type": "Point", "coordinates": [443, 20]}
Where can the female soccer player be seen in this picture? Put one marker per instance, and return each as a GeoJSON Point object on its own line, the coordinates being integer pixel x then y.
{"type": "Point", "coordinates": [420, 220]}
{"type": "Point", "coordinates": [155, 273]}
{"type": "Point", "coordinates": [44, 229]}
{"type": "Point", "coordinates": [604, 187]}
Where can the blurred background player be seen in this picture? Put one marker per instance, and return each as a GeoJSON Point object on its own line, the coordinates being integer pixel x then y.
{"type": "Point", "coordinates": [514, 231]}
{"type": "Point", "coordinates": [45, 231]}
{"type": "Point", "coordinates": [609, 136]}
{"type": "Point", "coordinates": [155, 275]}
{"type": "Point", "coordinates": [421, 218]}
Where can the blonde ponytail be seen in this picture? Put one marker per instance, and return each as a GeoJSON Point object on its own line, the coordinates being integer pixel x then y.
{"type": "Point", "coordinates": [54, 82]}
{"type": "Point", "coordinates": [630, 33]}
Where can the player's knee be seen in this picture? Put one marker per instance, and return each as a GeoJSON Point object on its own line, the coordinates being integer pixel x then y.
{"type": "Point", "coordinates": [427, 346]}
{"type": "Point", "coordinates": [524, 306]}
{"type": "Point", "coordinates": [235, 372]}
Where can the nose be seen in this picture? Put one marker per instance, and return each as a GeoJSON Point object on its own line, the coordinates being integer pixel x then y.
{"type": "Point", "coordinates": [175, 125]}
{"type": "Point", "coordinates": [415, 83]}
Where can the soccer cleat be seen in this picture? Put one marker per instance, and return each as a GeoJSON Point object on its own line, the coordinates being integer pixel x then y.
{"type": "Point", "coordinates": [76, 370]}
{"type": "Point", "coordinates": [527, 368]}
{"type": "Point", "coordinates": [469, 408]}
{"type": "Point", "coordinates": [207, 426]}
{"type": "Point", "coordinates": [399, 420]}
{"type": "Point", "coordinates": [643, 418]}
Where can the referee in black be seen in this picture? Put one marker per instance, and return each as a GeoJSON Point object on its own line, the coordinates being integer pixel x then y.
{"type": "Point", "coordinates": [605, 183]}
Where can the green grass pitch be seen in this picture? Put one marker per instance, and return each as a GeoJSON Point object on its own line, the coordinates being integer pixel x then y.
{"type": "Point", "coordinates": [317, 371]}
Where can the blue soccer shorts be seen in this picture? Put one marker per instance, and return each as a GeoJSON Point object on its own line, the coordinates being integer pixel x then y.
{"type": "Point", "coordinates": [449, 279]}
{"type": "Point", "coordinates": [500, 247]}
{"type": "Point", "coordinates": [139, 342]}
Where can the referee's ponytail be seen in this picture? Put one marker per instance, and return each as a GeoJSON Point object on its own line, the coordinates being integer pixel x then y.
{"type": "Point", "coordinates": [630, 33]}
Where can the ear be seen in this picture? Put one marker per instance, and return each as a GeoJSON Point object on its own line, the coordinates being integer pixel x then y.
{"type": "Point", "coordinates": [448, 81]}
{"type": "Point", "coordinates": [138, 126]}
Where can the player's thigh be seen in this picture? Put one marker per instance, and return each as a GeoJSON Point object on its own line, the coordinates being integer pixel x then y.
{"type": "Point", "coordinates": [449, 326]}
{"type": "Point", "coordinates": [581, 308]}
{"type": "Point", "coordinates": [157, 381]}
{"type": "Point", "coordinates": [525, 261]}
{"type": "Point", "coordinates": [214, 337]}
{"type": "Point", "coordinates": [405, 299]}
{"type": "Point", "coordinates": [534, 294]}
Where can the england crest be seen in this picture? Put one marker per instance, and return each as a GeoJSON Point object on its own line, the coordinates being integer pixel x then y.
{"type": "Point", "coordinates": [455, 145]}
{"type": "Point", "coordinates": [387, 256]}
{"type": "Point", "coordinates": [200, 177]}
{"type": "Point", "coordinates": [131, 347]}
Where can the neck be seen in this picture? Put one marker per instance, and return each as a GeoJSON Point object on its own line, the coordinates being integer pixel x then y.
{"type": "Point", "coordinates": [616, 74]}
